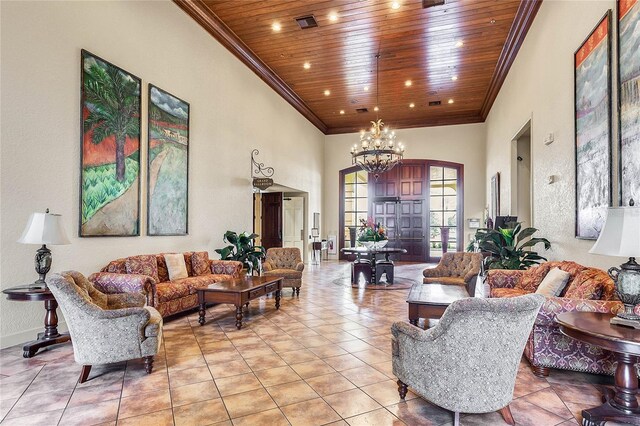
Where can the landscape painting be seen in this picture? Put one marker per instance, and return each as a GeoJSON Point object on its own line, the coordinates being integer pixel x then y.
{"type": "Point", "coordinates": [168, 164]}
{"type": "Point", "coordinates": [110, 154]}
{"type": "Point", "coordinates": [593, 130]}
{"type": "Point", "coordinates": [629, 100]}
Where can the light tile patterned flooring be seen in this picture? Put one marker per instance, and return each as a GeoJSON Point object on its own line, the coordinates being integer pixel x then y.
{"type": "Point", "coordinates": [323, 358]}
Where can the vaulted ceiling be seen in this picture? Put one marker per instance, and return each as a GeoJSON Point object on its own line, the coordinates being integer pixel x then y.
{"type": "Point", "coordinates": [457, 54]}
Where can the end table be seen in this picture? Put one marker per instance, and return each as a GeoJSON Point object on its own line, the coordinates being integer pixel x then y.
{"type": "Point", "coordinates": [50, 335]}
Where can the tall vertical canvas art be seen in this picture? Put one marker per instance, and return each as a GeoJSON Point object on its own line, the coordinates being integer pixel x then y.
{"type": "Point", "coordinates": [168, 175]}
{"type": "Point", "coordinates": [629, 99]}
{"type": "Point", "coordinates": [110, 154]}
{"type": "Point", "coordinates": [593, 130]}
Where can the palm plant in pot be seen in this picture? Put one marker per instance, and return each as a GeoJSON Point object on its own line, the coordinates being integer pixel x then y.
{"type": "Point", "coordinates": [506, 247]}
{"type": "Point", "coordinates": [243, 249]}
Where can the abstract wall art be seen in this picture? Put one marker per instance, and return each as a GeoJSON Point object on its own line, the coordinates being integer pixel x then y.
{"type": "Point", "coordinates": [628, 13]}
{"type": "Point", "coordinates": [110, 150]}
{"type": "Point", "coordinates": [592, 67]}
{"type": "Point", "coordinates": [168, 172]}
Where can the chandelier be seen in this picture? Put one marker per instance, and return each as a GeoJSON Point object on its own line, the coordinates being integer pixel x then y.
{"type": "Point", "coordinates": [378, 151]}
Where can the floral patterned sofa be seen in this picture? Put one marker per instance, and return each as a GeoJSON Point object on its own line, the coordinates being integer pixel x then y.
{"type": "Point", "coordinates": [148, 274]}
{"type": "Point", "coordinates": [588, 289]}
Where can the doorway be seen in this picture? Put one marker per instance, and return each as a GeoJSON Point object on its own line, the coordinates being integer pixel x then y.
{"type": "Point", "coordinates": [521, 179]}
{"type": "Point", "coordinates": [271, 223]}
{"type": "Point", "coordinates": [293, 222]}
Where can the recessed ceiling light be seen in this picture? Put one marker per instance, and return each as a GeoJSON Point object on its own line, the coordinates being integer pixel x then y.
{"type": "Point", "coordinates": [376, 108]}
{"type": "Point", "coordinates": [333, 17]}
{"type": "Point", "coordinates": [407, 83]}
{"type": "Point", "coordinates": [450, 101]}
{"type": "Point", "coordinates": [327, 92]}
{"type": "Point", "coordinates": [306, 65]}
{"type": "Point", "coordinates": [395, 5]}
{"type": "Point", "coordinates": [454, 77]}
{"type": "Point", "coordinates": [341, 111]}
{"type": "Point", "coordinates": [411, 105]}
{"type": "Point", "coordinates": [459, 43]}
{"type": "Point", "coordinates": [366, 88]}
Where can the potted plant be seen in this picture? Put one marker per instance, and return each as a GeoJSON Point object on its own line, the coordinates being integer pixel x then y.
{"type": "Point", "coordinates": [372, 235]}
{"type": "Point", "coordinates": [505, 248]}
{"type": "Point", "coordinates": [243, 249]}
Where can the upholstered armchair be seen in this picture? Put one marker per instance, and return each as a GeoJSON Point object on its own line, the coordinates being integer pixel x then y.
{"type": "Point", "coordinates": [469, 361]}
{"type": "Point", "coordinates": [459, 268]}
{"type": "Point", "coordinates": [106, 328]}
{"type": "Point", "coordinates": [285, 262]}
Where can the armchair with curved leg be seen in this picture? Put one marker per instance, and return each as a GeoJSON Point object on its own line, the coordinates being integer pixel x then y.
{"type": "Point", "coordinates": [106, 328]}
{"type": "Point", "coordinates": [285, 262]}
{"type": "Point", "coordinates": [468, 362]}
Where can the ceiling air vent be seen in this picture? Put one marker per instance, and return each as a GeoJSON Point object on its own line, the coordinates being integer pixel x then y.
{"type": "Point", "coordinates": [434, 103]}
{"type": "Point", "coordinates": [431, 3]}
{"type": "Point", "coordinates": [361, 110]}
{"type": "Point", "coordinates": [306, 22]}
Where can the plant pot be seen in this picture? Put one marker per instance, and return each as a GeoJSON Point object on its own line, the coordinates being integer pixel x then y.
{"type": "Point", "coordinates": [374, 245]}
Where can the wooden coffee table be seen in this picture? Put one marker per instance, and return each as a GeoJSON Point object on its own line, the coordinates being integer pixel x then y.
{"type": "Point", "coordinates": [431, 300]}
{"type": "Point", "coordinates": [238, 292]}
{"type": "Point", "coordinates": [594, 328]}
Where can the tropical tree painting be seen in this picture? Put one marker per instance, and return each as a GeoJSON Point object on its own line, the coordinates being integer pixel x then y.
{"type": "Point", "coordinates": [629, 100]}
{"type": "Point", "coordinates": [593, 130]}
{"type": "Point", "coordinates": [168, 164]}
{"type": "Point", "coordinates": [110, 195]}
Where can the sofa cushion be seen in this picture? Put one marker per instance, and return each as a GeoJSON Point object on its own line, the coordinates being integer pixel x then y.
{"type": "Point", "coordinates": [143, 265]}
{"type": "Point", "coordinates": [163, 272]}
{"type": "Point", "coordinates": [553, 284]}
{"type": "Point", "coordinates": [185, 286]}
{"type": "Point", "coordinates": [284, 273]}
{"type": "Point", "coordinates": [508, 292]}
{"type": "Point", "coordinates": [532, 278]}
{"type": "Point", "coordinates": [176, 266]}
{"type": "Point", "coordinates": [200, 263]}
{"type": "Point", "coordinates": [444, 280]}
{"type": "Point", "coordinates": [588, 284]}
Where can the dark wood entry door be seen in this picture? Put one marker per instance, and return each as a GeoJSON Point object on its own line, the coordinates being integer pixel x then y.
{"type": "Point", "coordinates": [412, 230]}
{"type": "Point", "coordinates": [271, 219]}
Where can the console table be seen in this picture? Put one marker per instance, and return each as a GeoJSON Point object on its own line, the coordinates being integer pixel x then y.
{"type": "Point", "coordinates": [50, 335]}
{"type": "Point", "coordinates": [594, 328]}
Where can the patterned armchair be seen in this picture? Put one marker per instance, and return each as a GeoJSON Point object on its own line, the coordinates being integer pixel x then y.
{"type": "Point", "coordinates": [133, 275]}
{"type": "Point", "coordinates": [469, 361]}
{"type": "Point", "coordinates": [285, 262]}
{"type": "Point", "coordinates": [106, 328]}
{"type": "Point", "coordinates": [588, 289]}
{"type": "Point", "coordinates": [459, 268]}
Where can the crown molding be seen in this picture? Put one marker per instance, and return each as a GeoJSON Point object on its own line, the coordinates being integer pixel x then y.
{"type": "Point", "coordinates": [199, 11]}
{"type": "Point", "coordinates": [524, 18]}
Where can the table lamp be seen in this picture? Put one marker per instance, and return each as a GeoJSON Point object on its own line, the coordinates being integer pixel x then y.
{"type": "Point", "coordinates": [620, 236]}
{"type": "Point", "coordinates": [44, 228]}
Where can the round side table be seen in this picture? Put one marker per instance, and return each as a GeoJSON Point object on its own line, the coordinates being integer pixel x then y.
{"type": "Point", "coordinates": [594, 328]}
{"type": "Point", "coordinates": [50, 335]}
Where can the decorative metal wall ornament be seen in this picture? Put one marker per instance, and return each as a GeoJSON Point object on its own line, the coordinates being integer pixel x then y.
{"type": "Point", "coordinates": [378, 151]}
{"type": "Point", "coordinates": [260, 175]}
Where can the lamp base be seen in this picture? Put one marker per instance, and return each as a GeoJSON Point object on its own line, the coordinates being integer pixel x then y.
{"type": "Point", "coordinates": [43, 265]}
{"type": "Point", "coordinates": [626, 322]}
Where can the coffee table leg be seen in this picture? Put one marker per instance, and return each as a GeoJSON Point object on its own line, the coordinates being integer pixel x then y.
{"type": "Point", "coordinates": [277, 299]}
{"type": "Point", "coordinates": [413, 314]}
{"type": "Point", "coordinates": [201, 314]}
{"type": "Point", "coordinates": [239, 317]}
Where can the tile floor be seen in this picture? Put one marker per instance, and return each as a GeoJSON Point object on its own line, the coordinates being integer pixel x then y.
{"type": "Point", "coordinates": [323, 358]}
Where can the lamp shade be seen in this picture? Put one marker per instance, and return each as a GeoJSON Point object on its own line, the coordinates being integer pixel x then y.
{"type": "Point", "coordinates": [44, 228]}
{"type": "Point", "coordinates": [620, 235]}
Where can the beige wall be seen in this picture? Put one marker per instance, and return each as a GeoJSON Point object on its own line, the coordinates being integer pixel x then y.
{"type": "Point", "coordinates": [461, 144]}
{"type": "Point", "coordinates": [232, 111]}
{"type": "Point", "coordinates": [540, 87]}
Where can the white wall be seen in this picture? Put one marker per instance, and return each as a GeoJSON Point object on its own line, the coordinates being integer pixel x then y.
{"type": "Point", "coordinates": [540, 87]}
{"type": "Point", "coordinates": [461, 144]}
{"type": "Point", "coordinates": [232, 111]}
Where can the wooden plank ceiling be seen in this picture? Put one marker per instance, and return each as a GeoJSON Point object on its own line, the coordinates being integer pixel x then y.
{"type": "Point", "coordinates": [458, 53]}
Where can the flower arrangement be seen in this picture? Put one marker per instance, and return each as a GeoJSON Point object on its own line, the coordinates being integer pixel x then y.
{"type": "Point", "coordinates": [371, 231]}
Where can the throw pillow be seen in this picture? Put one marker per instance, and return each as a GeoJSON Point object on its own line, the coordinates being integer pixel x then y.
{"type": "Point", "coordinates": [200, 263]}
{"type": "Point", "coordinates": [143, 265]}
{"type": "Point", "coordinates": [588, 285]}
{"type": "Point", "coordinates": [176, 266]}
{"type": "Point", "coordinates": [553, 283]}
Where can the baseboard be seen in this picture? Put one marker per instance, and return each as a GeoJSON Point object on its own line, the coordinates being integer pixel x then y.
{"type": "Point", "coordinates": [26, 336]}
